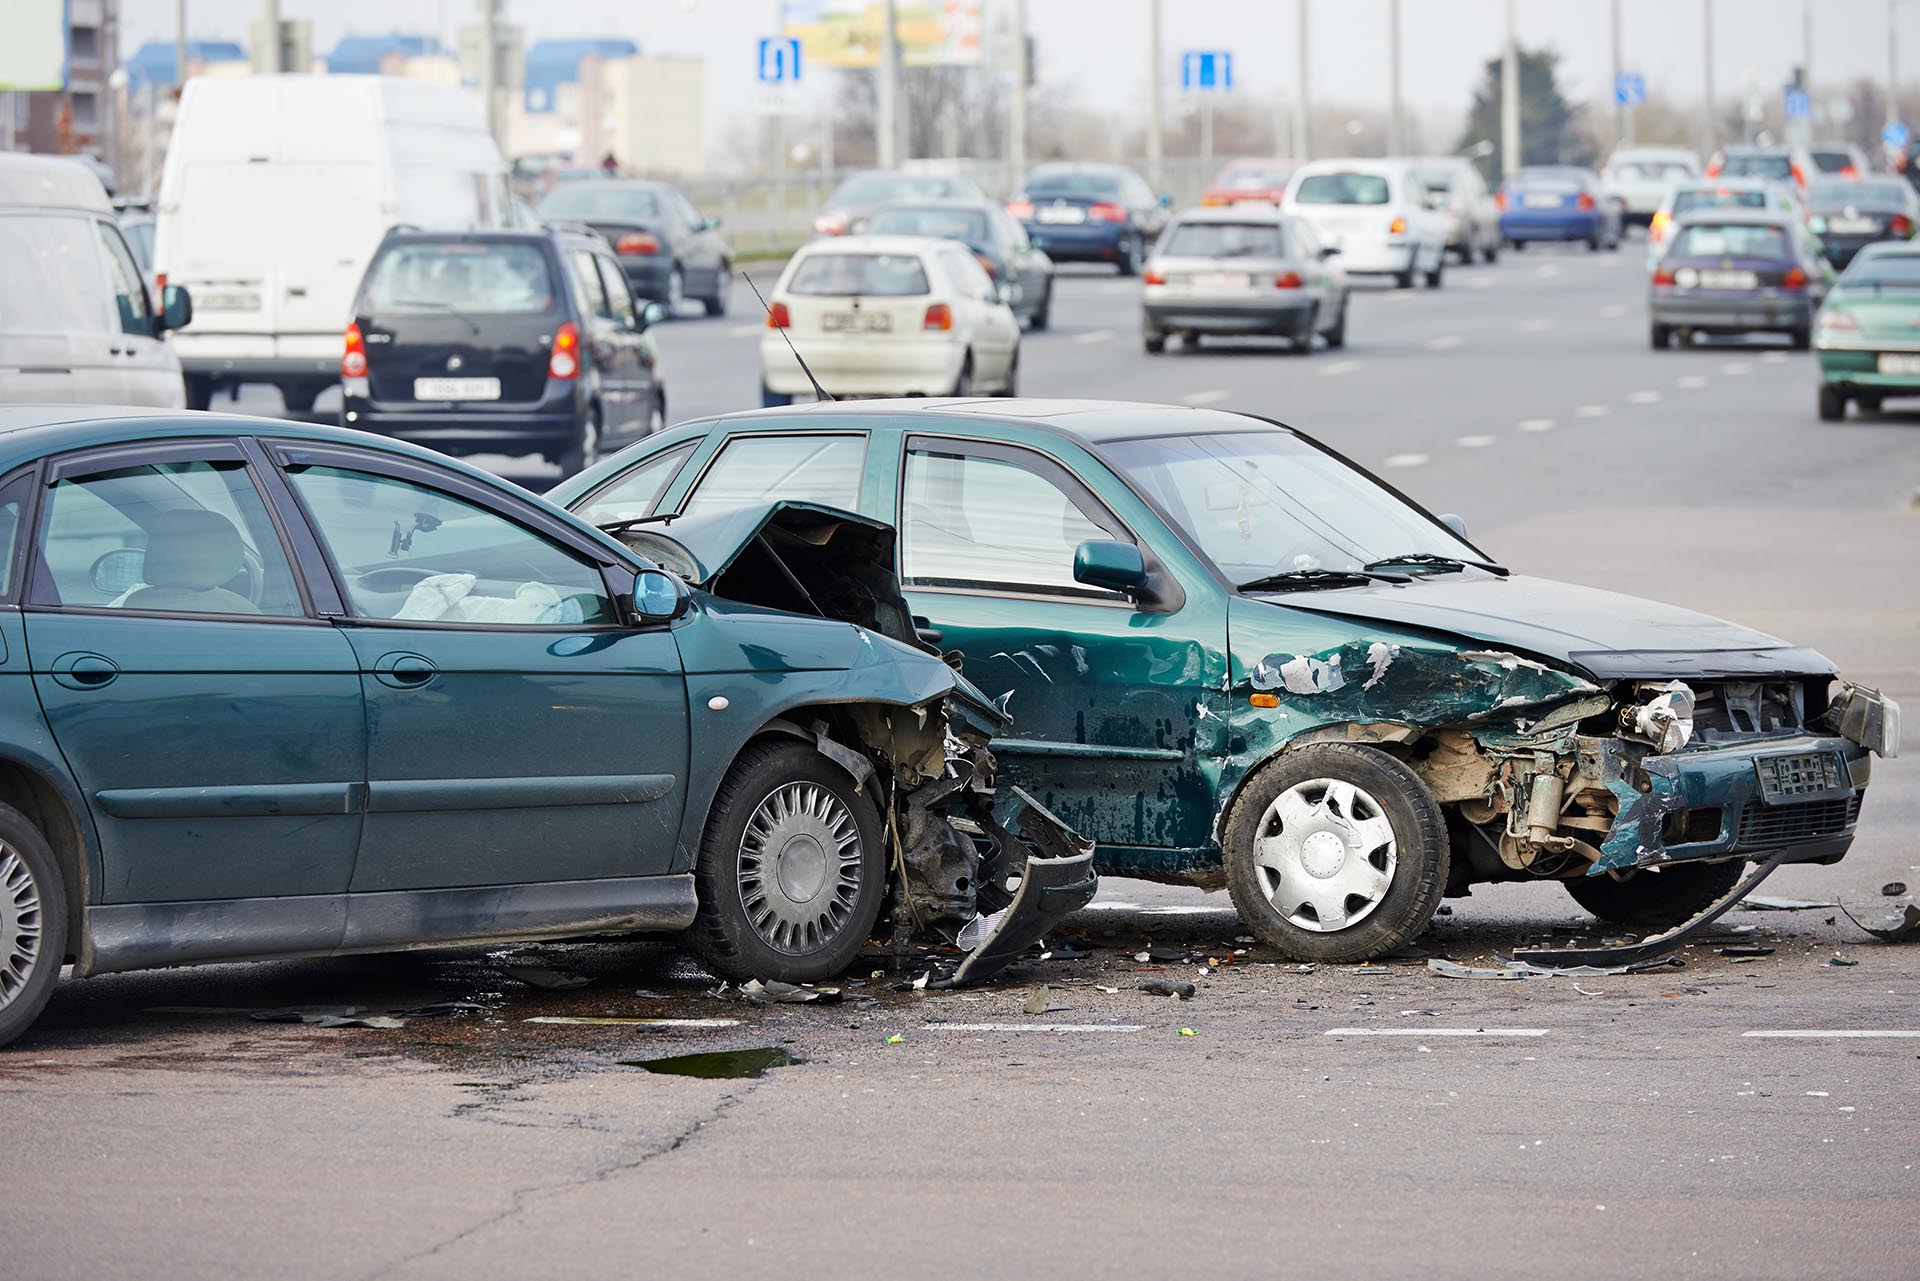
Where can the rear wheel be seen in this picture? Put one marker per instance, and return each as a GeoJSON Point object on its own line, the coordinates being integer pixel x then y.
{"type": "Point", "coordinates": [1438, 274]}
{"type": "Point", "coordinates": [1833, 405]}
{"type": "Point", "coordinates": [1404, 279]}
{"type": "Point", "coordinates": [723, 286]}
{"type": "Point", "coordinates": [1013, 376]}
{"type": "Point", "coordinates": [298, 397]}
{"type": "Point", "coordinates": [676, 293]}
{"type": "Point", "coordinates": [1153, 341]}
{"type": "Point", "coordinates": [585, 450]}
{"type": "Point", "coordinates": [1492, 251]}
{"type": "Point", "coordinates": [1337, 336]}
{"type": "Point", "coordinates": [1802, 339]}
{"type": "Point", "coordinates": [1661, 337]}
{"type": "Point", "coordinates": [1129, 260]}
{"type": "Point", "coordinates": [1868, 404]}
{"type": "Point", "coordinates": [963, 381]}
{"type": "Point", "coordinates": [33, 922]}
{"type": "Point", "coordinates": [1655, 898]}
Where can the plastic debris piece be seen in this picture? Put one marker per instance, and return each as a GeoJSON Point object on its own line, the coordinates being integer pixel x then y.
{"type": "Point", "coordinates": [1454, 970]}
{"type": "Point", "coordinates": [545, 977]}
{"type": "Point", "coordinates": [1759, 903]}
{"type": "Point", "coordinates": [920, 984]}
{"type": "Point", "coordinates": [614, 1020]}
{"type": "Point", "coordinates": [328, 1016]}
{"type": "Point", "coordinates": [1584, 992]}
{"type": "Point", "coordinates": [1167, 987]}
{"type": "Point", "coordinates": [1041, 1003]}
{"type": "Point", "coordinates": [1840, 960]}
{"type": "Point", "coordinates": [1187, 1031]}
{"type": "Point", "coordinates": [1370, 969]}
{"type": "Point", "coordinates": [1893, 889]}
{"type": "Point", "coordinates": [1902, 926]}
{"type": "Point", "coordinates": [1746, 949]}
{"type": "Point", "coordinates": [895, 1039]}
{"type": "Point", "coordinates": [774, 992]}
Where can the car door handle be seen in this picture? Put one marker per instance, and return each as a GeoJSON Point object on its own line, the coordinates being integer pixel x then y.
{"type": "Point", "coordinates": [404, 671]}
{"type": "Point", "coordinates": [84, 671]}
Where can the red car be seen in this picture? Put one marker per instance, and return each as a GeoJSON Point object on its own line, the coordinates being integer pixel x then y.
{"type": "Point", "coordinates": [1259, 181]}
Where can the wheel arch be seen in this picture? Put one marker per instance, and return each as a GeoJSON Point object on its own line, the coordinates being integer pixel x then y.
{"type": "Point", "coordinates": [31, 790]}
{"type": "Point", "coordinates": [1393, 738]}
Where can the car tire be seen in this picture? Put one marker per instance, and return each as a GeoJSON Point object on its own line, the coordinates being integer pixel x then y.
{"type": "Point", "coordinates": [759, 921]}
{"type": "Point", "coordinates": [584, 452]}
{"type": "Point", "coordinates": [1656, 899]}
{"type": "Point", "coordinates": [1491, 252]}
{"type": "Point", "coordinates": [1128, 263]}
{"type": "Point", "coordinates": [199, 391]}
{"type": "Point", "coordinates": [1267, 866]}
{"type": "Point", "coordinates": [1801, 339]}
{"type": "Point", "coordinates": [1337, 336]}
{"type": "Point", "coordinates": [298, 397]}
{"type": "Point", "coordinates": [1516, 245]}
{"type": "Point", "coordinates": [676, 293]}
{"type": "Point", "coordinates": [1153, 342]}
{"type": "Point", "coordinates": [723, 286]}
{"type": "Point", "coordinates": [770, 399]}
{"type": "Point", "coordinates": [1593, 243]}
{"type": "Point", "coordinates": [1043, 314]}
{"type": "Point", "coordinates": [33, 922]}
{"type": "Point", "coordinates": [1833, 405]}
{"type": "Point", "coordinates": [1438, 275]}
{"type": "Point", "coordinates": [1404, 279]}
{"type": "Point", "coordinates": [1660, 337]}
{"type": "Point", "coordinates": [1013, 377]}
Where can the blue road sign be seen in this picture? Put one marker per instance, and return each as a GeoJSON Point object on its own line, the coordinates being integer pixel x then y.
{"type": "Point", "coordinates": [1894, 134]}
{"type": "Point", "coordinates": [779, 60]}
{"type": "Point", "coordinates": [1206, 69]}
{"type": "Point", "coordinates": [1798, 104]}
{"type": "Point", "coordinates": [1629, 88]}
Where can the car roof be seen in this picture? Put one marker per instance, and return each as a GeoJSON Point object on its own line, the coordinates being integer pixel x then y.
{"type": "Point", "coordinates": [1078, 166]}
{"type": "Point", "coordinates": [1754, 149]}
{"type": "Point", "coordinates": [1236, 214]}
{"type": "Point", "coordinates": [1090, 422]}
{"type": "Point", "coordinates": [50, 182]}
{"type": "Point", "coordinates": [870, 245]}
{"type": "Point", "coordinates": [1731, 184]}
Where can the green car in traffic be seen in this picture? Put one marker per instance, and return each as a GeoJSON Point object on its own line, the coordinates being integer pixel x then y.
{"type": "Point", "coordinates": [1867, 335]}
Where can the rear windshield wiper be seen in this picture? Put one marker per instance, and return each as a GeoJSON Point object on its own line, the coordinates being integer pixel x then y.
{"type": "Point", "coordinates": [1307, 580]}
{"type": "Point", "coordinates": [1445, 564]}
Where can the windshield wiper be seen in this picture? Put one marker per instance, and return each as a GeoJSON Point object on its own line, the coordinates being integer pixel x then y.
{"type": "Point", "coordinates": [1445, 564]}
{"type": "Point", "coordinates": [616, 526]}
{"type": "Point", "coordinates": [1307, 580]}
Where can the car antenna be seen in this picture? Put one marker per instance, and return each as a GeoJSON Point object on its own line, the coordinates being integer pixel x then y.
{"type": "Point", "coordinates": [818, 390]}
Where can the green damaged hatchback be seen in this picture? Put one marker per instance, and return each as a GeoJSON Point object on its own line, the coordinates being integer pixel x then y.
{"type": "Point", "coordinates": [1235, 660]}
{"type": "Point", "coordinates": [1867, 335]}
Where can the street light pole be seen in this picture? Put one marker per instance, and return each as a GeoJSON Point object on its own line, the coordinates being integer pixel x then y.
{"type": "Point", "coordinates": [276, 52]}
{"type": "Point", "coordinates": [1017, 115]}
{"type": "Point", "coordinates": [1706, 18]}
{"type": "Point", "coordinates": [887, 145]}
{"type": "Point", "coordinates": [1302, 121]}
{"type": "Point", "coordinates": [1509, 101]}
{"type": "Point", "coordinates": [490, 67]}
{"type": "Point", "coordinates": [1153, 95]}
{"type": "Point", "coordinates": [1620, 110]}
{"type": "Point", "coordinates": [180, 45]}
{"type": "Point", "coordinates": [1893, 62]}
{"type": "Point", "coordinates": [1395, 143]}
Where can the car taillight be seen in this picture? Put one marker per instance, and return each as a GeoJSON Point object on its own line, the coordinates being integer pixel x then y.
{"type": "Point", "coordinates": [993, 272]}
{"type": "Point", "coordinates": [777, 317]}
{"type": "Point", "coordinates": [939, 316]}
{"type": "Point", "coordinates": [1153, 276]}
{"type": "Point", "coordinates": [1022, 209]}
{"type": "Point", "coordinates": [564, 361]}
{"type": "Point", "coordinates": [353, 361]}
{"type": "Point", "coordinates": [160, 282]}
{"type": "Point", "coordinates": [1899, 225]}
{"type": "Point", "coordinates": [1106, 211]}
{"type": "Point", "coordinates": [1398, 227]}
{"type": "Point", "coordinates": [1287, 280]}
{"type": "Point", "coordinates": [1500, 200]}
{"type": "Point", "coordinates": [1794, 279]}
{"type": "Point", "coordinates": [1663, 276]}
{"type": "Point", "coordinates": [1799, 175]}
{"type": "Point", "coordinates": [1848, 171]}
{"type": "Point", "coordinates": [637, 242]}
{"type": "Point", "coordinates": [831, 224]}
{"type": "Point", "coordinates": [1586, 202]}
{"type": "Point", "coordinates": [1713, 167]}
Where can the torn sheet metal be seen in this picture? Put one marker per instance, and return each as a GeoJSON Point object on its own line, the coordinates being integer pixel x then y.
{"type": "Point", "coordinates": [1514, 970]}
{"type": "Point", "coordinates": [1056, 880]}
{"type": "Point", "coordinates": [1635, 834]}
{"type": "Point", "coordinates": [1654, 945]}
{"type": "Point", "coordinates": [1899, 926]}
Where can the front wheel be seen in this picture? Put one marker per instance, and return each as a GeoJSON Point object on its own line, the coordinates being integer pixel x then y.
{"type": "Point", "coordinates": [963, 381]}
{"type": "Point", "coordinates": [1833, 405]}
{"type": "Point", "coordinates": [676, 293]}
{"type": "Point", "coordinates": [1336, 852]}
{"type": "Point", "coordinates": [1128, 262]}
{"type": "Point", "coordinates": [1043, 314]}
{"type": "Point", "coordinates": [722, 287]}
{"type": "Point", "coordinates": [33, 922]}
{"type": "Point", "coordinates": [1660, 337]}
{"type": "Point", "coordinates": [1438, 274]}
{"type": "Point", "coordinates": [1656, 898]}
{"type": "Point", "coordinates": [791, 871]}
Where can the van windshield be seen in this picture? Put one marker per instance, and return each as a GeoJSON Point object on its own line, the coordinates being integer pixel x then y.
{"type": "Point", "coordinates": [459, 277]}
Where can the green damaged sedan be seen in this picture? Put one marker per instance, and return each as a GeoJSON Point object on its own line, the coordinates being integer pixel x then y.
{"type": "Point", "coordinates": [1867, 335]}
{"type": "Point", "coordinates": [1235, 660]}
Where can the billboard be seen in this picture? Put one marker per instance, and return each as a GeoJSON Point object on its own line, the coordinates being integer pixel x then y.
{"type": "Point", "coordinates": [848, 33]}
{"type": "Point", "coordinates": [33, 56]}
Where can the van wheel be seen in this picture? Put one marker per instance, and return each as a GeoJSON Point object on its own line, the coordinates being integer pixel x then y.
{"type": "Point", "coordinates": [1660, 337]}
{"type": "Point", "coordinates": [791, 871]}
{"type": "Point", "coordinates": [1438, 274]}
{"type": "Point", "coordinates": [585, 450]}
{"type": "Point", "coordinates": [1043, 314]}
{"type": "Point", "coordinates": [199, 391]}
{"type": "Point", "coordinates": [1656, 898]}
{"type": "Point", "coordinates": [33, 922]}
{"type": "Point", "coordinates": [1490, 252]}
{"type": "Point", "coordinates": [298, 397]}
{"type": "Point", "coordinates": [1336, 852]}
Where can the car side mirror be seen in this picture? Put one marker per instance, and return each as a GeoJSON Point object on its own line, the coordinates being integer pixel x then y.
{"type": "Point", "coordinates": [176, 307]}
{"type": "Point", "coordinates": [1166, 202]}
{"type": "Point", "coordinates": [657, 597]}
{"type": "Point", "coordinates": [1453, 522]}
{"type": "Point", "coordinates": [710, 223]}
{"type": "Point", "coordinates": [1328, 251]}
{"type": "Point", "coordinates": [1110, 564]}
{"type": "Point", "coordinates": [650, 315]}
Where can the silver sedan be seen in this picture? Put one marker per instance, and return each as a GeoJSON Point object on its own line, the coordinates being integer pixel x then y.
{"type": "Point", "coordinates": [1240, 271]}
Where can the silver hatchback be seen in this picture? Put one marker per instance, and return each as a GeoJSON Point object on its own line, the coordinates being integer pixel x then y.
{"type": "Point", "coordinates": [1241, 271]}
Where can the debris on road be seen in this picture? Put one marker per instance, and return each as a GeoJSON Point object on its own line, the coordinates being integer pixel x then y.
{"type": "Point", "coordinates": [1761, 903]}
{"type": "Point", "coordinates": [1187, 1031]}
{"type": "Point", "coordinates": [1167, 987]}
{"type": "Point", "coordinates": [1746, 949]}
{"type": "Point", "coordinates": [1518, 969]}
{"type": "Point", "coordinates": [545, 977]}
{"type": "Point", "coordinates": [1041, 1003]}
{"type": "Point", "coordinates": [612, 1020]}
{"type": "Point", "coordinates": [774, 992]}
{"type": "Point", "coordinates": [719, 1065]}
{"type": "Point", "coordinates": [1893, 889]}
{"type": "Point", "coordinates": [1841, 960]}
{"type": "Point", "coordinates": [1902, 926]}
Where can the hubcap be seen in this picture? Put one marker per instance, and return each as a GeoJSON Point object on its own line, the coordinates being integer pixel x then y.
{"type": "Point", "coordinates": [800, 868]}
{"type": "Point", "coordinates": [1324, 854]}
{"type": "Point", "coordinates": [19, 925]}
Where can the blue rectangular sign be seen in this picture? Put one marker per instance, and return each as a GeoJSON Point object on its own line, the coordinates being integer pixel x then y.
{"type": "Point", "coordinates": [779, 60]}
{"type": "Point", "coordinates": [1629, 88]}
{"type": "Point", "coordinates": [1206, 69]}
{"type": "Point", "coordinates": [1798, 104]}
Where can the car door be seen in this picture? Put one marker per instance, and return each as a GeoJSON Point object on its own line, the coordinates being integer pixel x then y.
{"type": "Point", "coordinates": [1110, 703]}
{"type": "Point", "coordinates": [996, 334]}
{"type": "Point", "coordinates": [1028, 266]}
{"type": "Point", "coordinates": [151, 373]}
{"type": "Point", "coordinates": [518, 731]}
{"type": "Point", "coordinates": [635, 356]}
{"type": "Point", "coordinates": [611, 343]}
{"type": "Point", "coordinates": [212, 720]}
{"type": "Point", "coordinates": [703, 250]}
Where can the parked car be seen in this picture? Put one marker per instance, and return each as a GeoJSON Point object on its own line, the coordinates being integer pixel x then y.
{"type": "Point", "coordinates": [1236, 660]}
{"type": "Point", "coordinates": [1091, 213]}
{"type": "Point", "coordinates": [1260, 182]}
{"type": "Point", "coordinates": [858, 195]}
{"type": "Point", "coordinates": [887, 316]}
{"type": "Point", "coordinates": [1640, 177]}
{"type": "Point", "coordinates": [1023, 273]}
{"type": "Point", "coordinates": [1376, 214]}
{"type": "Point", "coordinates": [1729, 271]}
{"type": "Point", "coordinates": [77, 323]}
{"type": "Point", "coordinates": [514, 342]}
{"type": "Point", "coordinates": [1848, 214]}
{"type": "Point", "coordinates": [670, 250]}
{"type": "Point", "coordinates": [1558, 202]}
{"type": "Point", "coordinates": [287, 690]}
{"type": "Point", "coordinates": [275, 191]}
{"type": "Point", "coordinates": [1456, 189]}
{"type": "Point", "coordinates": [1715, 193]}
{"type": "Point", "coordinates": [1240, 270]}
{"type": "Point", "coordinates": [1869, 348]}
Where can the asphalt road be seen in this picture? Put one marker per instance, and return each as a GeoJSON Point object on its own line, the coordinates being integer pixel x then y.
{"type": "Point", "coordinates": [1347, 1121]}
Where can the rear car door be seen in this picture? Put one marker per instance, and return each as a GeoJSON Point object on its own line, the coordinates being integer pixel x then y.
{"type": "Point", "coordinates": [517, 730]}
{"type": "Point", "coordinates": [996, 334]}
{"type": "Point", "coordinates": [212, 720]}
{"type": "Point", "coordinates": [151, 373]}
{"type": "Point", "coordinates": [611, 342]}
{"type": "Point", "coordinates": [635, 356]}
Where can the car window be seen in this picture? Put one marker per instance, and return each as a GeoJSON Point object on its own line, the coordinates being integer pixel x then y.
{"type": "Point", "coordinates": [968, 275]}
{"type": "Point", "coordinates": [1884, 270]}
{"type": "Point", "coordinates": [176, 537]}
{"type": "Point", "coordinates": [13, 504]}
{"type": "Point", "coordinates": [598, 201]}
{"type": "Point", "coordinates": [1098, 185]}
{"type": "Point", "coordinates": [970, 520]}
{"type": "Point", "coordinates": [1731, 240]}
{"type": "Point", "coordinates": [1225, 240]}
{"type": "Point", "coordinates": [881, 188]}
{"type": "Point", "coordinates": [1757, 167]}
{"type": "Point", "coordinates": [410, 553]}
{"type": "Point", "coordinates": [619, 297]}
{"type": "Point", "coordinates": [1718, 198]}
{"type": "Point", "coordinates": [55, 280]}
{"type": "Point", "coordinates": [635, 492]}
{"type": "Point", "coordinates": [593, 298]}
{"type": "Point", "coordinates": [497, 278]}
{"type": "Point", "coordinates": [1342, 189]}
{"type": "Point", "coordinates": [966, 225]}
{"type": "Point", "coordinates": [139, 234]}
{"type": "Point", "coordinates": [683, 206]}
{"type": "Point", "coordinates": [806, 468]}
{"type": "Point", "coordinates": [870, 275]}
{"type": "Point", "coordinates": [129, 288]}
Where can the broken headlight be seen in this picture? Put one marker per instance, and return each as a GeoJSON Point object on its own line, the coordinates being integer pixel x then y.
{"type": "Point", "coordinates": [1665, 719]}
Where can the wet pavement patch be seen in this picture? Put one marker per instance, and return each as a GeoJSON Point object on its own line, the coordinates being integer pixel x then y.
{"type": "Point", "coordinates": [719, 1065]}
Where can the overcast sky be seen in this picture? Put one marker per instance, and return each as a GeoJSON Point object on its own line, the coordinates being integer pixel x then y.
{"type": "Point", "coordinates": [1100, 46]}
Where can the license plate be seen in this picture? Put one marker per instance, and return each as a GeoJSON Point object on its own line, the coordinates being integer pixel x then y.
{"type": "Point", "coordinates": [1805, 777]}
{"type": "Point", "coordinates": [841, 322]}
{"type": "Point", "coordinates": [1897, 363]}
{"type": "Point", "coordinates": [1729, 280]}
{"type": "Point", "coordinates": [1222, 282]}
{"type": "Point", "coordinates": [226, 301]}
{"type": "Point", "coordinates": [1543, 201]}
{"type": "Point", "coordinates": [456, 389]}
{"type": "Point", "coordinates": [1061, 213]}
{"type": "Point", "coordinates": [1852, 226]}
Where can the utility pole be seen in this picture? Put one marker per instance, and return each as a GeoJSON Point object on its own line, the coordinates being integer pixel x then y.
{"type": "Point", "coordinates": [1509, 102]}
{"type": "Point", "coordinates": [1622, 131]}
{"type": "Point", "coordinates": [1806, 56]}
{"type": "Point", "coordinates": [180, 45]}
{"type": "Point", "coordinates": [1017, 114]}
{"type": "Point", "coordinates": [1302, 123]}
{"type": "Point", "coordinates": [276, 52]}
{"type": "Point", "coordinates": [490, 67]}
{"type": "Point", "coordinates": [1893, 62]}
{"type": "Point", "coordinates": [1713, 126]}
{"type": "Point", "coordinates": [1394, 140]}
{"type": "Point", "coordinates": [887, 145]}
{"type": "Point", "coordinates": [1153, 94]}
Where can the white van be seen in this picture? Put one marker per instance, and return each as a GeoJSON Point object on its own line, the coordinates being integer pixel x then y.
{"type": "Point", "coordinates": [77, 325]}
{"type": "Point", "coordinates": [276, 191]}
{"type": "Point", "coordinates": [1377, 213]}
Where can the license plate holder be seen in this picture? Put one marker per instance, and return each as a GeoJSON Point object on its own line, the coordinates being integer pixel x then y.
{"type": "Point", "coordinates": [1729, 280]}
{"type": "Point", "coordinates": [1794, 778]}
{"type": "Point", "coordinates": [1060, 214]}
{"type": "Point", "coordinates": [1899, 364]}
{"type": "Point", "coordinates": [456, 389]}
{"type": "Point", "coordinates": [848, 322]}
{"type": "Point", "coordinates": [1222, 282]}
{"type": "Point", "coordinates": [1542, 200]}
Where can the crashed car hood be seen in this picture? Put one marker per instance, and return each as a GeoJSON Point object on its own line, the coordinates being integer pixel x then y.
{"type": "Point", "coordinates": [1609, 635]}
{"type": "Point", "coordinates": [701, 548]}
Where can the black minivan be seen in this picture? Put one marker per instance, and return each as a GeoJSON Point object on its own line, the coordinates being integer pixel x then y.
{"type": "Point", "coordinates": [502, 342]}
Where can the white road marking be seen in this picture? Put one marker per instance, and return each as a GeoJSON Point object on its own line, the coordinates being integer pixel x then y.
{"type": "Point", "coordinates": [1644, 398]}
{"type": "Point", "coordinates": [1034, 1027]}
{"type": "Point", "coordinates": [1403, 460]}
{"type": "Point", "coordinates": [1094, 336]}
{"type": "Point", "coordinates": [1814, 1034]}
{"type": "Point", "coordinates": [1111, 907]}
{"type": "Point", "coordinates": [1475, 442]}
{"type": "Point", "coordinates": [1538, 325]}
{"type": "Point", "coordinates": [1339, 367]}
{"type": "Point", "coordinates": [1774, 358]}
{"type": "Point", "coordinates": [743, 331]}
{"type": "Point", "coordinates": [611, 1021]}
{"type": "Point", "coordinates": [1734, 368]}
{"type": "Point", "coordinates": [1547, 271]}
{"type": "Point", "coordinates": [1691, 382]}
{"type": "Point", "coordinates": [1436, 1031]}
{"type": "Point", "coordinates": [1536, 424]}
{"type": "Point", "coordinates": [1205, 397]}
{"type": "Point", "coordinates": [1481, 282]}
{"type": "Point", "coordinates": [1613, 310]}
{"type": "Point", "coordinates": [1590, 411]}
{"type": "Point", "coordinates": [1446, 342]}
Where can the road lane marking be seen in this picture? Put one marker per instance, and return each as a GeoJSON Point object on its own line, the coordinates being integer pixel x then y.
{"type": "Point", "coordinates": [1536, 424]}
{"type": "Point", "coordinates": [1436, 1031]}
{"type": "Point", "coordinates": [1814, 1034]}
{"type": "Point", "coordinates": [1734, 368]}
{"type": "Point", "coordinates": [1205, 397]}
{"type": "Point", "coordinates": [1403, 460]}
{"type": "Point", "coordinates": [1481, 282]}
{"type": "Point", "coordinates": [1474, 442]}
{"type": "Point", "coordinates": [1613, 310]}
{"type": "Point", "coordinates": [1094, 336]}
{"type": "Point", "coordinates": [1590, 411]}
{"type": "Point", "coordinates": [1339, 367]}
{"type": "Point", "coordinates": [743, 331]}
{"type": "Point", "coordinates": [612, 1021]}
{"type": "Point", "coordinates": [1034, 1027]}
{"type": "Point", "coordinates": [1538, 325]}
{"type": "Point", "coordinates": [1547, 271]}
{"type": "Point", "coordinates": [1446, 342]}
{"type": "Point", "coordinates": [1774, 358]}
{"type": "Point", "coordinates": [1691, 382]}
{"type": "Point", "coordinates": [1644, 398]}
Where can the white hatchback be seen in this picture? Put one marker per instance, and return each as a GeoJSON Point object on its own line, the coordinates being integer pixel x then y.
{"type": "Point", "coordinates": [1377, 213]}
{"type": "Point", "coordinates": [887, 316]}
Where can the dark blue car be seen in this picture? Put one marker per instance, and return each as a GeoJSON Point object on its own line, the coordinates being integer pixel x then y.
{"type": "Point", "coordinates": [1090, 213]}
{"type": "Point", "coordinates": [1558, 202]}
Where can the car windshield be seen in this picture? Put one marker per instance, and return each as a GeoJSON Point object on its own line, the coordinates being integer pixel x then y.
{"type": "Point", "coordinates": [1267, 502]}
{"type": "Point", "coordinates": [1887, 271]}
{"type": "Point", "coordinates": [1342, 189]}
{"type": "Point", "coordinates": [966, 225]}
{"type": "Point", "coordinates": [1719, 198]}
{"type": "Point", "coordinates": [889, 188]}
{"type": "Point", "coordinates": [1655, 169]}
{"type": "Point", "coordinates": [1832, 161]}
{"type": "Point", "coordinates": [1254, 177]}
{"type": "Point", "coordinates": [868, 275]}
{"type": "Point", "coordinates": [600, 202]}
{"type": "Point", "coordinates": [1224, 240]}
{"type": "Point", "coordinates": [1763, 166]}
{"type": "Point", "coordinates": [1731, 240]}
{"type": "Point", "coordinates": [1067, 182]}
{"type": "Point", "coordinates": [459, 277]}
{"type": "Point", "coordinates": [1829, 196]}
